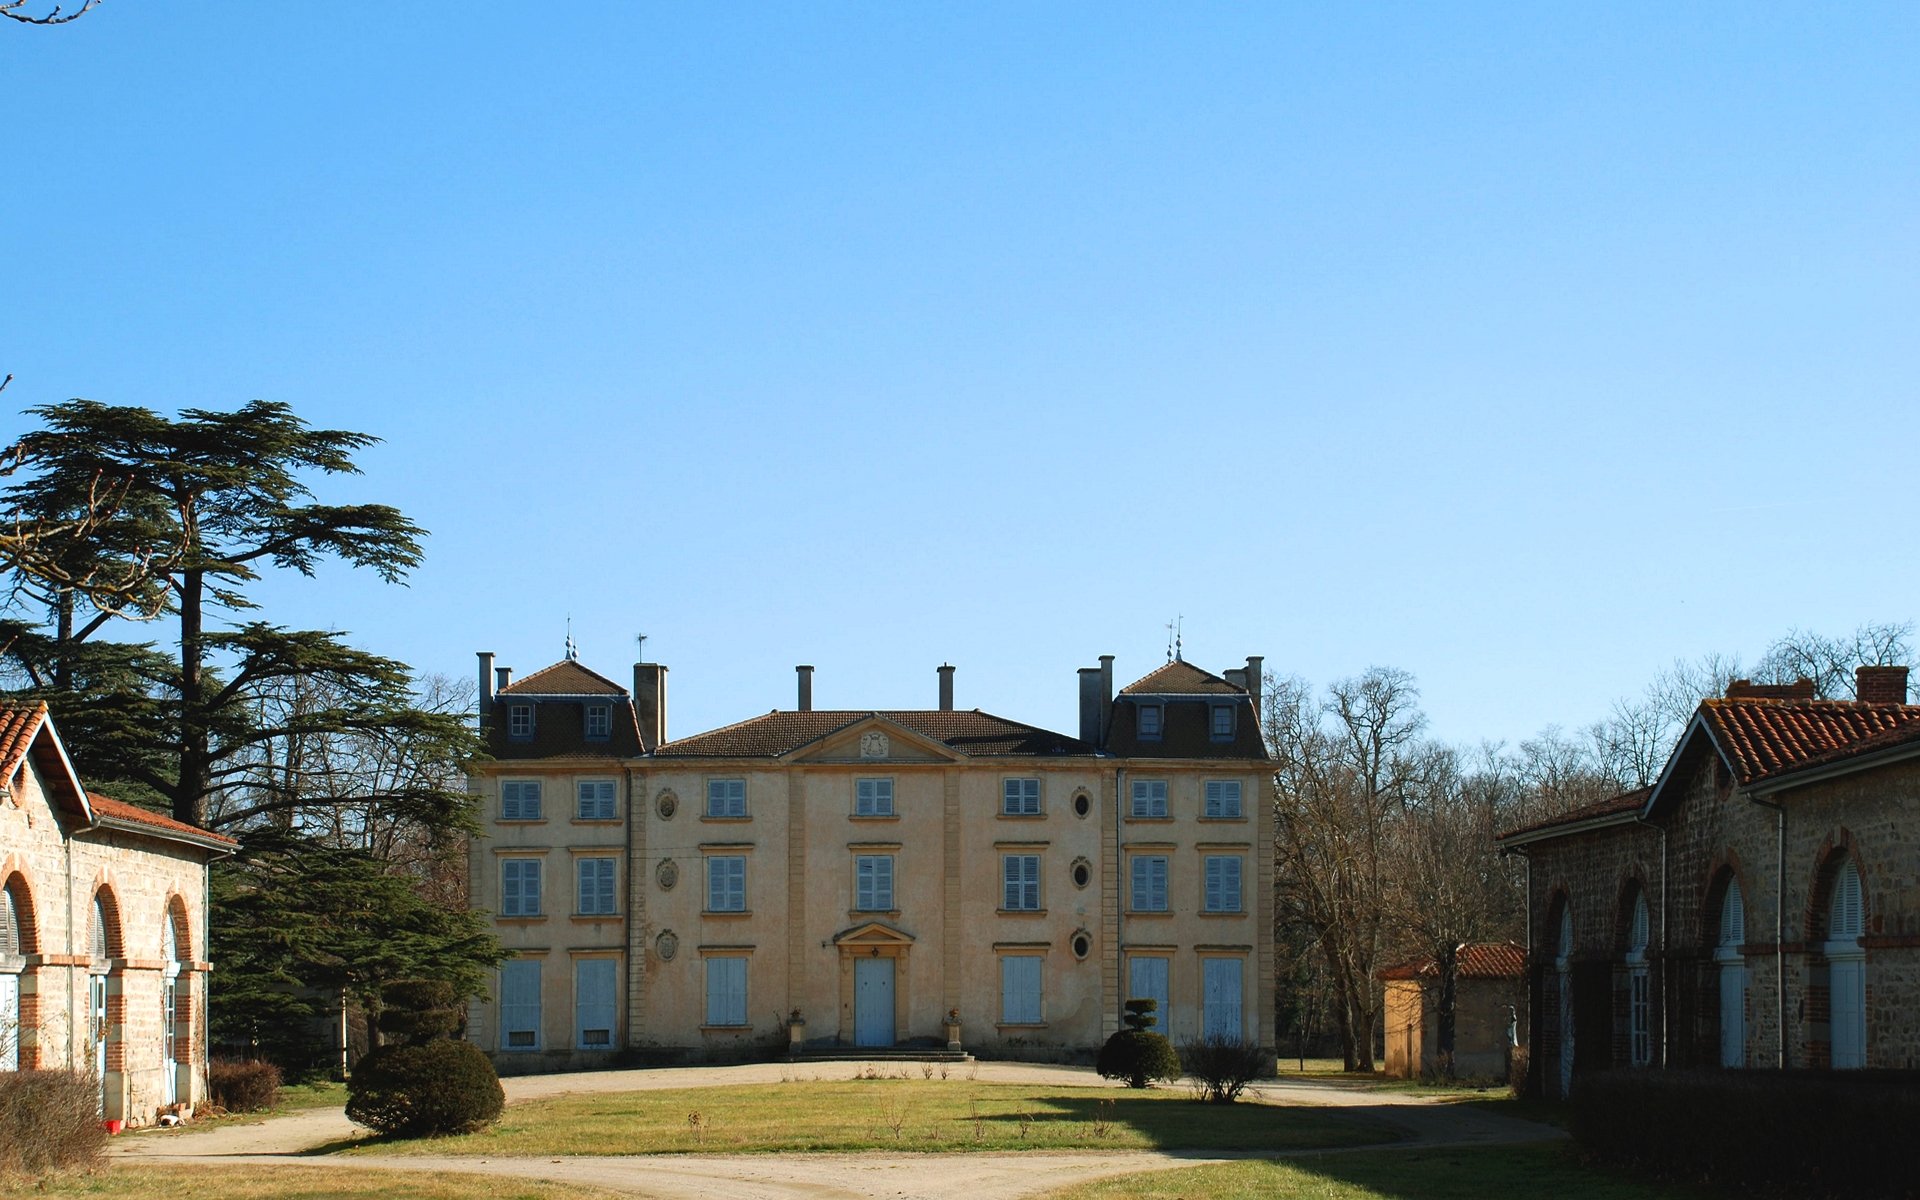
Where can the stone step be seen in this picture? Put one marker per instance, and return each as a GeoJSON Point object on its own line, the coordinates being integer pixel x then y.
{"type": "Point", "coordinates": [878, 1054]}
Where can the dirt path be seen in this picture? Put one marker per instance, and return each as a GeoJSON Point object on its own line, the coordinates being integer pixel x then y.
{"type": "Point", "coordinates": [280, 1140]}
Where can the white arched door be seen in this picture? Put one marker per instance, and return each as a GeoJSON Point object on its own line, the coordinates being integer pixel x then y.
{"type": "Point", "coordinates": [1639, 986]}
{"type": "Point", "coordinates": [1733, 977]}
{"type": "Point", "coordinates": [1846, 971]}
{"type": "Point", "coordinates": [97, 968]}
{"type": "Point", "coordinates": [170, 1015]}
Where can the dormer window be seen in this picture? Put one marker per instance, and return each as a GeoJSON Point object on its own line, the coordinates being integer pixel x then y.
{"type": "Point", "coordinates": [520, 721]}
{"type": "Point", "coordinates": [1222, 723]}
{"type": "Point", "coordinates": [1149, 722]}
{"type": "Point", "coordinates": [599, 722]}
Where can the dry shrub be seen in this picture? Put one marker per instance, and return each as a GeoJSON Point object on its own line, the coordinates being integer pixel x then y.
{"type": "Point", "coordinates": [243, 1086]}
{"type": "Point", "coordinates": [1222, 1067]}
{"type": "Point", "coordinates": [49, 1121]}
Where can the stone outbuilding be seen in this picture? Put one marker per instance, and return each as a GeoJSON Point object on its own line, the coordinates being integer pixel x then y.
{"type": "Point", "coordinates": [103, 930]}
{"type": "Point", "coordinates": [1489, 1007]}
{"type": "Point", "coordinates": [1758, 906]}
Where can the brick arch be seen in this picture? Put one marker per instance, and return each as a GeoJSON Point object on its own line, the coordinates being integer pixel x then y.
{"type": "Point", "coordinates": [1632, 887]}
{"type": "Point", "coordinates": [1559, 901]}
{"type": "Point", "coordinates": [1838, 849]}
{"type": "Point", "coordinates": [1724, 868]}
{"type": "Point", "coordinates": [175, 914]}
{"type": "Point", "coordinates": [13, 880]}
{"type": "Point", "coordinates": [107, 903]}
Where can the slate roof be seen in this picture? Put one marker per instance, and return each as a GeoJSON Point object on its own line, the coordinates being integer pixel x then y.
{"type": "Point", "coordinates": [162, 825]}
{"type": "Point", "coordinates": [1764, 738]}
{"type": "Point", "coordinates": [967, 731]}
{"type": "Point", "coordinates": [564, 678]}
{"type": "Point", "coordinates": [1477, 960]}
{"type": "Point", "coordinates": [1180, 678]}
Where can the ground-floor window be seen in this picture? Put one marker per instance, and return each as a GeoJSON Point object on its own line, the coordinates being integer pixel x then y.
{"type": "Point", "coordinates": [726, 991]}
{"type": "Point", "coordinates": [1147, 980]}
{"type": "Point", "coordinates": [595, 986]}
{"type": "Point", "coordinates": [1220, 1000]}
{"type": "Point", "coordinates": [1020, 990]}
{"type": "Point", "coordinates": [1640, 1015]}
{"type": "Point", "coordinates": [9, 1022]}
{"type": "Point", "coordinates": [520, 1005]}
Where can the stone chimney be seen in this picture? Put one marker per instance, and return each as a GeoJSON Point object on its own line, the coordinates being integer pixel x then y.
{"type": "Point", "coordinates": [1747, 689]}
{"type": "Point", "coordinates": [650, 703]}
{"type": "Point", "coordinates": [502, 676]}
{"type": "Point", "coordinates": [1256, 670]}
{"type": "Point", "coordinates": [1235, 676]}
{"type": "Point", "coordinates": [486, 685]}
{"type": "Point", "coordinates": [946, 687]}
{"type": "Point", "coordinates": [1106, 696]}
{"type": "Point", "coordinates": [1880, 685]}
{"type": "Point", "coordinates": [805, 700]}
{"type": "Point", "coordinates": [1090, 705]}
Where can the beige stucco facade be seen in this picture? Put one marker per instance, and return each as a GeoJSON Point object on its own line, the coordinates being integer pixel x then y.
{"type": "Point", "coordinates": [103, 960]}
{"type": "Point", "coordinates": [934, 939]}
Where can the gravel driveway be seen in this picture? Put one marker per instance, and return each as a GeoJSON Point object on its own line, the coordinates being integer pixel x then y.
{"type": "Point", "coordinates": [281, 1140]}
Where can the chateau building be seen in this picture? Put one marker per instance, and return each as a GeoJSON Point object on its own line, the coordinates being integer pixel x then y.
{"type": "Point", "coordinates": [866, 878]}
{"type": "Point", "coordinates": [1758, 906]}
{"type": "Point", "coordinates": [103, 930]}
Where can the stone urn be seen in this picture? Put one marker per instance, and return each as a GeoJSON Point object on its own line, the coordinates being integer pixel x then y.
{"type": "Point", "coordinates": [796, 1031]}
{"type": "Point", "coordinates": [953, 1029]}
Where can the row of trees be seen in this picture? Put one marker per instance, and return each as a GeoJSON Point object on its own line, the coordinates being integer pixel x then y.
{"type": "Point", "coordinates": [337, 768]}
{"type": "Point", "coordinates": [1384, 847]}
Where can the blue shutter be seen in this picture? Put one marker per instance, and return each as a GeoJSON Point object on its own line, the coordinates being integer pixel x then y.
{"type": "Point", "coordinates": [1147, 980]}
{"type": "Point", "coordinates": [595, 987]}
{"type": "Point", "coordinates": [1220, 1000]}
{"type": "Point", "coordinates": [726, 991]}
{"type": "Point", "coordinates": [520, 1005]}
{"type": "Point", "coordinates": [1020, 1001]}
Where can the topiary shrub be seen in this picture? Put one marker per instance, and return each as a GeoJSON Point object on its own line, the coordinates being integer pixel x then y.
{"type": "Point", "coordinates": [243, 1086]}
{"type": "Point", "coordinates": [1136, 1054]}
{"type": "Point", "coordinates": [49, 1121]}
{"type": "Point", "coordinates": [427, 1084]}
{"type": "Point", "coordinates": [440, 1086]}
{"type": "Point", "coordinates": [1222, 1067]}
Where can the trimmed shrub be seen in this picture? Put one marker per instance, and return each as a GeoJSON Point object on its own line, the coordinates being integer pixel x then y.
{"type": "Point", "coordinates": [243, 1086]}
{"type": "Point", "coordinates": [1785, 1133]}
{"type": "Point", "coordinates": [49, 1121]}
{"type": "Point", "coordinates": [1138, 1055]}
{"type": "Point", "coordinates": [419, 1010]}
{"type": "Point", "coordinates": [1222, 1067]}
{"type": "Point", "coordinates": [436, 1087]}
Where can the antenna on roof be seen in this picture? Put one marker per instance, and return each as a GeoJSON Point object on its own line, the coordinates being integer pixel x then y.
{"type": "Point", "coordinates": [573, 651]}
{"type": "Point", "coordinates": [640, 641]}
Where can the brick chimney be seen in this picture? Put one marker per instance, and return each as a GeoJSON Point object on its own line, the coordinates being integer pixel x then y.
{"type": "Point", "coordinates": [1747, 689]}
{"type": "Point", "coordinates": [946, 687]}
{"type": "Point", "coordinates": [650, 703]}
{"type": "Point", "coordinates": [805, 697]}
{"type": "Point", "coordinates": [1880, 685]}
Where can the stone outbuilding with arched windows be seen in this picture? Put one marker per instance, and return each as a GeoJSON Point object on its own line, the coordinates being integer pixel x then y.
{"type": "Point", "coordinates": [103, 930]}
{"type": "Point", "coordinates": [1758, 906]}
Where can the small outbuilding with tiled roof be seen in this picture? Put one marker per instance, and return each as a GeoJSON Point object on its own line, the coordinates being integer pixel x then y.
{"type": "Point", "coordinates": [103, 930]}
{"type": "Point", "coordinates": [1757, 906]}
{"type": "Point", "coordinates": [1489, 1013]}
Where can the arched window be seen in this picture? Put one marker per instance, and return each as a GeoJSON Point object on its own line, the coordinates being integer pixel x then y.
{"type": "Point", "coordinates": [103, 938]}
{"type": "Point", "coordinates": [13, 944]}
{"type": "Point", "coordinates": [1639, 989]}
{"type": "Point", "coordinates": [1732, 966]}
{"type": "Point", "coordinates": [175, 1033]}
{"type": "Point", "coordinates": [1563, 984]}
{"type": "Point", "coordinates": [1846, 970]}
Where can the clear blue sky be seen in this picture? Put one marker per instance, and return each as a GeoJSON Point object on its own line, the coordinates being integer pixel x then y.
{"type": "Point", "coordinates": [1524, 347]}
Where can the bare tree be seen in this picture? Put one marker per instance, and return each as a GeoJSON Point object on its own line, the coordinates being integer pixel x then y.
{"type": "Point", "coordinates": [1829, 661]}
{"type": "Point", "coordinates": [16, 10]}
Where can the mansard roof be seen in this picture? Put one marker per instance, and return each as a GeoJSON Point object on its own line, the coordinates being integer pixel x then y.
{"type": "Point", "coordinates": [778, 733]}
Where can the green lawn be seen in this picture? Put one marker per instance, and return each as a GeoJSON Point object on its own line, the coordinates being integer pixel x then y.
{"type": "Point", "coordinates": [894, 1114]}
{"type": "Point", "coordinates": [150, 1182]}
{"type": "Point", "coordinates": [1467, 1173]}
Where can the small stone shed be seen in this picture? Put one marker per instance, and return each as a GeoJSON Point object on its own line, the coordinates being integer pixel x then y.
{"type": "Point", "coordinates": [1490, 1012]}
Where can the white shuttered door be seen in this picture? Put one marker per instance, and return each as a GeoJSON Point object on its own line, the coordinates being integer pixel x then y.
{"type": "Point", "coordinates": [726, 991]}
{"type": "Point", "coordinates": [520, 1005]}
{"type": "Point", "coordinates": [1147, 980]}
{"type": "Point", "coordinates": [1733, 977]}
{"type": "Point", "coordinates": [1220, 999]}
{"type": "Point", "coordinates": [594, 983]}
{"type": "Point", "coordinates": [1847, 971]}
{"type": "Point", "coordinates": [1020, 990]}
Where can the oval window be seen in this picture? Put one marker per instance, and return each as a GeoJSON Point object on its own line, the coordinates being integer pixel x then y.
{"type": "Point", "coordinates": [1082, 945]}
{"type": "Point", "coordinates": [1082, 805]}
{"type": "Point", "coordinates": [1082, 874]}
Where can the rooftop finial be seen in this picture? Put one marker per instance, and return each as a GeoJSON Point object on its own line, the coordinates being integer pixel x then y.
{"type": "Point", "coordinates": [1179, 623]}
{"type": "Point", "coordinates": [573, 651]}
{"type": "Point", "coordinates": [1169, 641]}
{"type": "Point", "coordinates": [640, 640]}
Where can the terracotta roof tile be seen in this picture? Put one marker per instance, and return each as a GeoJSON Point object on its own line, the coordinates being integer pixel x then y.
{"type": "Point", "coordinates": [1763, 738]}
{"type": "Point", "coordinates": [18, 724]}
{"type": "Point", "coordinates": [1624, 802]}
{"type": "Point", "coordinates": [1477, 960]}
{"type": "Point", "coordinates": [107, 806]}
{"type": "Point", "coordinates": [564, 678]}
{"type": "Point", "coordinates": [1179, 678]}
{"type": "Point", "coordinates": [967, 731]}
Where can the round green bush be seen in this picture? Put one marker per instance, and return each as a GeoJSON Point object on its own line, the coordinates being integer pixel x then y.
{"type": "Point", "coordinates": [432, 1088]}
{"type": "Point", "coordinates": [419, 1010]}
{"type": "Point", "coordinates": [1137, 1055]}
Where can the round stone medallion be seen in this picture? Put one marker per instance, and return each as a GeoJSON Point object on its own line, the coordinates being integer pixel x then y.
{"type": "Point", "coordinates": [666, 946]}
{"type": "Point", "coordinates": [668, 873]}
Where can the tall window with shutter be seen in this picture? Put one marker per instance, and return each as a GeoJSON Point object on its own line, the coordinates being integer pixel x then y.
{"type": "Point", "coordinates": [1639, 992]}
{"type": "Point", "coordinates": [596, 896]}
{"type": "Point", "coordinates": [1846, 970]}
{"type": "Point", "coordinates": [727, 991]}
{"type": "Point", "coordinates": [1149, 878]}
{"type": "Point", "coordinates": [726, 883]}
{"type": "Point", "coordinates": [1020, 882]}
{"type": "Point", "coordinates": [519, 887]}
{"type": "Point", "coordinates": [1020, 990]}
{"type": "Point", "coordinates": [1220, 999]}
{"type": "Point", "coordinates": [1222, 883]}
{"type": "Point", "coordinates": [595, 984]}
{"type": "Point", "coordinates": [873, 882]}
{"type": "Point", "coordinates": [1732, 967]}
{"type": "Point", "coordinates": [520, 1004]}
